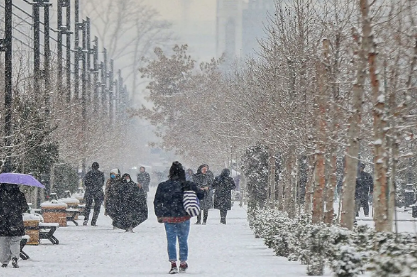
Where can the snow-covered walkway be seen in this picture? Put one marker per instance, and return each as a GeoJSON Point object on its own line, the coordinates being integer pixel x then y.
{"type": "Point", "coordinates": [214, 250]}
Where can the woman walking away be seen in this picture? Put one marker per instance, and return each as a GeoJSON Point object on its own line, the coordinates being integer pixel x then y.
{"type": "Point", "coordinates": [169, 209]}
{"type": "Point", "coordinates": [12, 205]}
{"type": "Point", "coordinates": [132, 209]}
{"type": "Point", "coordinates": [223, 185]}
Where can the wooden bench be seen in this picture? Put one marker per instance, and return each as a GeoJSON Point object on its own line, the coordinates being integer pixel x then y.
{"type": "Point", "coordinates": [72, 214]}
{"type": "Point", "coordinates": [23, 242]}
{"type": "Point", "coordinates": [47, 230]}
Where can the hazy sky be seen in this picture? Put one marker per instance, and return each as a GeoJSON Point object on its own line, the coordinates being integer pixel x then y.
{"type": "Point", "coordinates": [194, 23]}
{"type": "Point", "coordinates": [172, 9]}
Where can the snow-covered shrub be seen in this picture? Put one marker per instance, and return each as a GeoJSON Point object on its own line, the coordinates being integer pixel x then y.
{"type": "Point", "coordinates": [347, 262]}
{"type": "Point", "coordinates": [396, 257]}
{"type": "Point", "coordinates": [348, 253]}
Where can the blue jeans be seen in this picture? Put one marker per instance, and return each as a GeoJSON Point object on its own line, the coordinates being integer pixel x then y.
{"type": "Point", "coordinates": [180, 231]}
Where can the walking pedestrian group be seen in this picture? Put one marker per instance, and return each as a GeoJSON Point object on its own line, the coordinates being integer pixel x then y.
{"type": "Point", "coordinates": [177, 199]}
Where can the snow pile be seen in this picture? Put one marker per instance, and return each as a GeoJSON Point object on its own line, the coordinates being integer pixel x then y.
{"type": "Point", "coordinates": [53, 204]}
{"type": "Point", "coordinates": [70, 200]}
{"type": "Point", "coordinates": [27, 217]}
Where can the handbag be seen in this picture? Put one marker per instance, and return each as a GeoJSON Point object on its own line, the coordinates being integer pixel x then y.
{"type": "Point", "coordinates": [191, 203]}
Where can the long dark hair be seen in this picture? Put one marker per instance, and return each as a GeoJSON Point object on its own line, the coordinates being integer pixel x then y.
{"type": "Point", "coordinates": [176, 172]}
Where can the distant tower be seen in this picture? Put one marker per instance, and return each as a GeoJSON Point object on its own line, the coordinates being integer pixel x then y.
{"type": "Point", "coordinates": [255, 18]}
{"type": "Point", "coordinates": [185, 15]}
{"type": "Point", "coordinates": [229, 28]}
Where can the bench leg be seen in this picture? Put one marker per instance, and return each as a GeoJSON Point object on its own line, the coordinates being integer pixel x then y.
{"type": "Point", "coordinates": [54, 240]}
{"type": "Point", "coordinates": [23, 255]}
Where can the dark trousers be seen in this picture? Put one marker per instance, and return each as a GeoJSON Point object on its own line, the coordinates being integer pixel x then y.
{"type": "Point", "coordinates": [97, 198]}
{"type": "Point", "coordinates": [223, 214]}
{"type": "Point", "coordinates": [362, 202]}
{"type": "Point", "coordinates": [205, 216]}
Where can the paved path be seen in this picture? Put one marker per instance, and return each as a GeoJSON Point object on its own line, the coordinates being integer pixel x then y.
{"type": "Point", "coordinates": [214, 250]}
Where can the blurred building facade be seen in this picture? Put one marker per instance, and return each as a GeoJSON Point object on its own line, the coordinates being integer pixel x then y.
{"type": "Point", "coordinates": [239, 25]}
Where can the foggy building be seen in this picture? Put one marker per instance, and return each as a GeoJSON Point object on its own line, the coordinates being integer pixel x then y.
{"type": "Point", "coordinates": [239, 25]}
{"type": "Point", "coordinates": [229, 28]}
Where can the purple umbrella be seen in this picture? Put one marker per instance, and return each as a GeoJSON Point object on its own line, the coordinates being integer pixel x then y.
{"type": "Point", "coordinates": [20, 179]}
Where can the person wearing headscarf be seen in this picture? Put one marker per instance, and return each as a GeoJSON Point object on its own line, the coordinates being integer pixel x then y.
{"type": "Point", "coordinates": [111, 193]}
{"type": "Point", "coordinates": [12, 205]}
{"type": "Point", "coordinates": [223, 185]}
{"type": "Point", "coordinates": [131, 205]}
{"type": "Point", "coordinates": [169, 209]}
{"type": "Point", "coordinates": [204, 180]}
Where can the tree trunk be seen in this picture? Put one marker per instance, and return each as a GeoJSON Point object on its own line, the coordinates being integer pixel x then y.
{"type": "Point", "coordinates": [320, 180]}
{"type": "Point", "coordinates": [328, 217]}
{"type": "Point", "coordinates": [271, 177]}
{"type": "Point", "coordinates": [349, 182]}
{"type": "Point", "coordinates": [309, 185]}
{"type": "Point", "coordinates": [380, 202]}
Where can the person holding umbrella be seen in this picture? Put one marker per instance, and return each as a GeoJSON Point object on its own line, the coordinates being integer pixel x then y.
{"type": "Point", "coordinates": [12, 205]}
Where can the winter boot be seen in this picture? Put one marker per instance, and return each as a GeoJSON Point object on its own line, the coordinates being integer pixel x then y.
{"type": "Point", "coordinates": [183, 267]}
{"type": "Point", "coordinates": [174, 268]}
{"type": "Point", "coordinates": [223, 220]}
{"type": "Point", "coordinates": [4, 265]}
{"type": "Point", "coordinates": [14, 263]}
{"type": "Point", "coordinates": [85, 222]}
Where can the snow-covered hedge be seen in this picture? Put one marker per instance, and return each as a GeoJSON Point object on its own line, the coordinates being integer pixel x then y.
{"type": "Point", "coordinates": [347, 253]}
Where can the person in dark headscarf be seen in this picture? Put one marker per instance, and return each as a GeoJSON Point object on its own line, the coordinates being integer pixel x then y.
{"type": "Point", "coordinates": [12, 205]}
{"type": "Point", "coordinates": [169, 209]}
{"type": "Point", "coordinates": [223, 185]}
{"type": "Point", "coordinates": [131, 208]}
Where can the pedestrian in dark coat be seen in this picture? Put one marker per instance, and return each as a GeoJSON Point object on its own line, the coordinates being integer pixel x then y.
{"type": "Point", "coordinates": [12, 205]}
{"type": "Point", "coordinates": [132, 209]}
{"type": "Point", "coordinates": [169, 209]}
{"type": "Point", "coordinates": [93, 183]}
{"type": "Point", "coordinates": [204, 181]}
{"type": "Point", "coordinates": [364, 189]}
{"type": "Point", "coordinates": [111, 197]}
{"type": "Point", "coordinates": [223, 185]}
{"type": "Point", "coordinates": [144, 179]}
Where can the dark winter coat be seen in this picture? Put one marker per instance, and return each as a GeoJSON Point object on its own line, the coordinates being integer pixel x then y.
{"type": "Point", "coordinates": [364, 185]}
{"type": "Point", "coordinates": [12, 205]}
{"type": "Point", "coordinates": [131, 207]}
{"type": "Point", "coordinates": [205, 180]}
{"type": "Point", "coordinates": [169, 197]}
{"type": "Point", "coordinates": [93, 183]}
{"type": "Point", "coordinates": [111, 197]}
{"type": "Point", "coordinates": [144, 179]}
{"type": "Point", "coordinates": [223, 186]}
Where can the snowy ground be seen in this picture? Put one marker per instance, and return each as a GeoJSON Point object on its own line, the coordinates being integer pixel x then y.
{"type": "Point", "coordinates": [214, 250]}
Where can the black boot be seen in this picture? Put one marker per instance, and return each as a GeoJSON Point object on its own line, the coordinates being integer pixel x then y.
{"type": "Point", "coordinates": [223, 220]}
{"type": "Point", "coordinates": [4, 265]}
{"type": "Point", "coordinates": [14, 263]}
{"type": "Point", "coordinates": [198, 219]}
